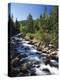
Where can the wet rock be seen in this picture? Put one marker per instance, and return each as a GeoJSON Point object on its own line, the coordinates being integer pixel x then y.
{"type": "Point", "coordinates": [24, 67]}
{"type": "Point", "coordinates": [55, 57]}
{"type": "Point", "coordinates": [45, 49]}
{"type": "Point", "coordinates": [32, 71]}
{"type": "Point", "coordinates": [36, 65]}
{"type": "Point", "coordinates": [47, 61]}
{"type": "Point", "coordinates": [54, 53]}
{"type": "Point", "coordinates": [14, 62]}
{"type": "Point", "coordinates": [53, 63]}
{"type": "Point", "coordinates": [46, 70]}
{"type": "Point", "coordinates": [14, 72]}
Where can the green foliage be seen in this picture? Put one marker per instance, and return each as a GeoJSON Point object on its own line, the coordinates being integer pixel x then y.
{"type": "Point", "coordinates": [54, 39]}
{"type": "Point", "coordinates": [36, 25]}
{"type": "Point", "coordinates": [45, 28]}
{"type": "Point", "coordinates": [23, 29]}
{"type": "Point", "coordinates": [54, 26]}
{"type": "Point", "coordinates": [30, 35]}
{"type": "Point", "coordinates": [30, 27]}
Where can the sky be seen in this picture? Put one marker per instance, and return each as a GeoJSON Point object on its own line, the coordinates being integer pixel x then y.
{"type": "Point", "coordinates": [21, 11]}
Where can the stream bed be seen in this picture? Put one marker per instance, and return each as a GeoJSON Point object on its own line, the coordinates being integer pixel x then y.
{"type": "Point", "coordinates": [26, 60]}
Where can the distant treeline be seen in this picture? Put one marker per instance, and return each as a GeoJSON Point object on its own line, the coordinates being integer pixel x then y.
{"type": "Point", "coordinates": [44, 28]}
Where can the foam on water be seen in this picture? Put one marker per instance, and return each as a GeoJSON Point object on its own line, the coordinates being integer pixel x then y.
{"type": "Point", "coordinates": [33, 50]}
{"type": "Point", "coordinates": [31, 58]}
{"type": "Point", "coordinates": [25, 44]}
{"type": "Point", "coordinates": [53, 70]}
{"type": "Point", "coordinates": [40, 72]}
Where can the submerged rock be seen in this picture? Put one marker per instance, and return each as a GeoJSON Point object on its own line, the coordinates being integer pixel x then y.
{"type": "Point", "coordinates": [46, 70]}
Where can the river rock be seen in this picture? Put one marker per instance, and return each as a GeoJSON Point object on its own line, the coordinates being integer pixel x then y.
{"type": "Point", "coordinates": [14, 62]}
{"type": "Point", "coordinates": [46, 70]}
{"type": "Point", "coordinates": [14, 72]}
{"type": "Point", "coordinates": [27, 38]}
{"type": "Point", "coordinates": [54, 53]}
{"type": "Point", "coordinates": [34, 41]}
{"type": "Point", "coordinates": [50, 46]}
{"type": "Point", "coordinates": [45, 49]}
{"type": "Point", "coordinates": [54, 63]}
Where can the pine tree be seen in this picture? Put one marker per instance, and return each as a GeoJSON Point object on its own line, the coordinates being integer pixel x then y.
{"type": "Point", "coordinates": [30, 23]}
{"type": "Point", "coordinates": [11, 27]}
{"type": "Point", "coordinates": [17, 25]}
{"type": "Point", "coordinates": [54, 26]}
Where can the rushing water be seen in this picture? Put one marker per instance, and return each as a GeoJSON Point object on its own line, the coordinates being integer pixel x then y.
{"type": "Point", "coordinates": [34, 58]}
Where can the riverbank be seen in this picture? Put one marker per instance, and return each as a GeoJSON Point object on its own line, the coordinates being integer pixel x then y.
{"type": "Point", "coordinates": [50, 50]}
